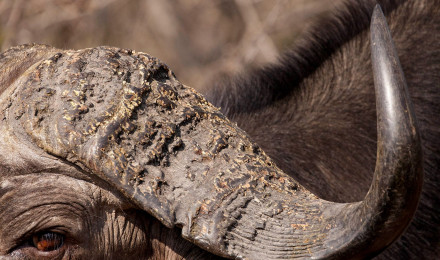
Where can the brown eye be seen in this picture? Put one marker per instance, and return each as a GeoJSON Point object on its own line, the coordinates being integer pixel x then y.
{"type": "Point", "coordinates": [48, 241]}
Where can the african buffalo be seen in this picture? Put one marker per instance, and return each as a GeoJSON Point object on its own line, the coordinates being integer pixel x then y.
{"type": "Point", "coordinates": [105, 155]}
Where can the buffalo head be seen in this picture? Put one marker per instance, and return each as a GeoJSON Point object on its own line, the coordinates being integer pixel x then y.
{"type": "Point", "coordinates": [116, 126]}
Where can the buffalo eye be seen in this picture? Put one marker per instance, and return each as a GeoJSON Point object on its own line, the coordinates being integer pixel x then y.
{"type": "Point", "coordinates": [48, 241]}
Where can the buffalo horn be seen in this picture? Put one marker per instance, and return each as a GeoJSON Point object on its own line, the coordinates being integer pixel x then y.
{"type": "Point", "coordinates": [123, 117]}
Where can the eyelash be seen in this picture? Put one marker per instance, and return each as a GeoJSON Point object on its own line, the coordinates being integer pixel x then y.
{"type": "Point", "coordinates": [46, 244]}
{"type": "Point", "coordinates": [47, 241]}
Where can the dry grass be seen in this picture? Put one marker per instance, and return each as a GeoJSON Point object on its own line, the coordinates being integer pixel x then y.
{"type": "Point", "coordinates": [199, 39]}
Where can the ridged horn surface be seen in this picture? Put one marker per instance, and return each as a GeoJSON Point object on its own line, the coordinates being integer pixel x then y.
{"type": "Point", "coordinates": [123, 116]}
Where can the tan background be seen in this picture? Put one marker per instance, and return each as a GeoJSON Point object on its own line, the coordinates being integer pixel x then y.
{"type": "Point", "coordinates": [199, 39]}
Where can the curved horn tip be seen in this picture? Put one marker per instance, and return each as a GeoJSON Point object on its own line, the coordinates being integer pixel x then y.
{"type": "Point", "coordinates": [392, 98]}
{"type": "Point", "coordinates": [370, 226]}
{"type": "Point", "coordinates": [378, 12]}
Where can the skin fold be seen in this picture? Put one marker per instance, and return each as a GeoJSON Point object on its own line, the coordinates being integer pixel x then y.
{"type": "Point", "coordinates": [45, 194]}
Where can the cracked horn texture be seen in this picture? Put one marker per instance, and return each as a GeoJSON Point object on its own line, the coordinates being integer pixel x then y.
{"type": "Point", "coordinates": [123, 116]}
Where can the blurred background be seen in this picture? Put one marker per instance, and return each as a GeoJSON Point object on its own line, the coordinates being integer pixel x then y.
{"type": "Point", "coordinates": [201, 40]}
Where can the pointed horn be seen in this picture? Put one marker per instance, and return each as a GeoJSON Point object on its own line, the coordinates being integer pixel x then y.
{"type": "Point", "coordinates": [392, 200]}
{"type": "Point", "coordinates": [399, 146]}
{"type": "Point", "coordinates": [294, 224]}
{"type": "Point", "coordinates": [124, 117]}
